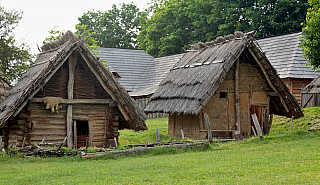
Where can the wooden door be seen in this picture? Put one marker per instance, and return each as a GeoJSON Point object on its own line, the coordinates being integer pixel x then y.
{"type": "Point", "coordinates": [262, 115]}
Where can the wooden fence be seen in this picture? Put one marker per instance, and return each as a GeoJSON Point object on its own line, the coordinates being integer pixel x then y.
{"type": "Point", "coordinates": [143, 103]}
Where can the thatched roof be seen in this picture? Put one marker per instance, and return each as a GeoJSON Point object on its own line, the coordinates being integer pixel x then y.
{"type": "Point", "coordinates": [53, 55]}
{"type": "Point", "coordinates": [196, 77]}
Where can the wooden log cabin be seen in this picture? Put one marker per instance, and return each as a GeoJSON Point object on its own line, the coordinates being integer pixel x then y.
{"type": "Point", "coordinates": [67, 94]}
{"type": "Point", "coordinates": [229, 79]}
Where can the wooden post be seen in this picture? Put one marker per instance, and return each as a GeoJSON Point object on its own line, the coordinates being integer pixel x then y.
{"type": "Point", "coordinates": [255, 134]}
{"type": "Point", "coordinates": [0, 143]}
{"type": "Point", "coordinates": [257, 125]}
{"type": "Point", "coordinates": [182, 134]}
{"type": "Point", "coordinates": [72, 65]}
{"type": "Point", "coordinates": [206, 118]}
{"type": "Point", "coordinates": [291, 124]}
{"type": "Point", "coordinates": [115, 142]}
{"type": "Point", "coordinates": [237, 96]}
{"type": "Point", "coordinates": [157, 135]}
{"type": "Point", "coordinates": [74, 134]}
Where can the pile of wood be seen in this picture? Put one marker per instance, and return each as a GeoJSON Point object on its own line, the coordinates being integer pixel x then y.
{"type": "Point", "coordinates": [37, 151]}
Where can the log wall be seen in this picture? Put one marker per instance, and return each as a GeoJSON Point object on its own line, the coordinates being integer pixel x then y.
{"type": "Point", "coordinates": [295, 85]}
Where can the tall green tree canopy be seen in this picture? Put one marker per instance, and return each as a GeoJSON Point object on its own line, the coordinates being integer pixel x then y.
{"type": "Point", "coordinates": [117, 27]}
{"type": "Point", "coordinates": [14, 57]}
{"type": "Point", "coordinates": [311, 38]}
{"type": "Point", "coordinates": [177, 23]}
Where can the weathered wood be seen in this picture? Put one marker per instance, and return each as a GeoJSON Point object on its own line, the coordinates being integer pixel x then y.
{"type": "Point", "coordinates": [291, 124]}
{"type": "Point", "coordinates": [43, 140]}
{"type": "Point", "coordinates": [257, 125]}
{"type": "Point", "coordinates": [237, 96]}
{"type": "Point", "coordinates": [69, 126]}
{"type": "Point", "coordinates": [90, 124]}
{"type": "Point", "coordinates": [304, 105]}
{"type": "Point", "coordinates": [64, 141]}
{"type": "Point", "coordinates": [206, 118]}
{"type": "Point", "coordinates": [78, 101]}
{"type": "Point", "coordinates": [182, 134]}
{"type": "Point", "coordinates": [124, 113]}
{"type": "Point", "coordinates": [157, 135]}
{"type": "Point", "coordinates": [74, 134]}
{"type": "Point", "coordinates": [44, 82]}
{"type": "Point", "coordinates": [268, 79]}
{"type": "Point", "coordinates": [218, 130]}
{"type": "Point", "coordinates": [254, 132]}
{"type": "Point", "coordinates": [0, 143]}
{"type": "Point", "coordinates": [113, 104]}
{"type": "Point", "coordinates": [272, 93]}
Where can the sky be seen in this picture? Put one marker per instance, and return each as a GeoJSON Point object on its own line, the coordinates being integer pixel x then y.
{"type": "Point", "coordinates": [41, 16]}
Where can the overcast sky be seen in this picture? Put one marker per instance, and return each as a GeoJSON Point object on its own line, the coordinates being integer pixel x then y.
{"type": "Point", "coordinates": [40, 16]}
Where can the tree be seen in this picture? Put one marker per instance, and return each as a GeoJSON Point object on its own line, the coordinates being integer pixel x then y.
{"type": "Point", "coordinates": [117, 27]}
{"type": "Point", "coordinates": [177, 23]}
{"type": "Point", "coordinates": [14, 58]}
{"type": "Point", "coordinates": [310, 41]}
{"type": "Point", "coordinates": [55, 34]}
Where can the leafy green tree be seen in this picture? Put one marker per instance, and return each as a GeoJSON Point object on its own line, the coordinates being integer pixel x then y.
{"type": "Point", "coordinates": [55, 34]}
{"type": "Point", "coordinates": [14, 57]}
{"type": "Point", "coordinates": [175, 24]}
{"type": "Point", "coordinates": [310, 41]}
{"type": "Point", "coordinates": [117, 27]}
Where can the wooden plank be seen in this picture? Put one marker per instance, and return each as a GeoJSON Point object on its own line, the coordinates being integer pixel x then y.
{"type": "Point", "coordinates": [237, 96]}
{"type": "Point", "coordinates": [78, 101]}
{"type": "Point", "coordinates": [74, 134]}
{"type": "Point", "coordinates": [124, 113]}
{"type": "Point", "coordinates": [90, 124]}
{"type": "Point", "coordinates": [307, 101]}
{"type": "Point", "coordinates": [218, 130]}
{"type": "Point", "coordinates": [257, 125]}
{"type": "Point", "coordinates": [206, 118]}
{"type": "Point", "coordinates": [0, 143]}
{"type": "Point", "coordinates": [44, 82]}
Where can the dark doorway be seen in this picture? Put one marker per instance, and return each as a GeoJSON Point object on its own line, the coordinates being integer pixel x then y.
{"type": "Point", "coordinates": [82, 130]}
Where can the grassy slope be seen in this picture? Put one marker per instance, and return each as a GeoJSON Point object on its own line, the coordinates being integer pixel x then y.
{"type": "Point", "coordinates": [279, 158]}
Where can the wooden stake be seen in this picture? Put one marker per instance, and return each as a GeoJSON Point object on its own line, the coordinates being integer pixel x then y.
{"type": "Point", "coordinates": [237, 96]}
{"type": "Point", "coordinates": [291, 124]}
{"type": "Point", "coordinates": [0, 143]}
{"type": "Point", "coordinates": [115, 142]}
{"type": "Point", "coordinates": [182, 134]}
{"type": "Point", "coordinates": [157, 135]}
{"type": "Point", "coordinates": [255, 134]}
{"type": "Point", "coordinates": [206, 118]}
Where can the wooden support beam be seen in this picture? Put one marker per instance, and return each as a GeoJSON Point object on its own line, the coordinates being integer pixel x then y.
{"type": "Point", "coordinates": [237, 96]}
{"type": "Point", "coordinates": [206, 118]}
{"type": "Point", "coordinates": [257, 125]}
{"type": "Point", "coordinates": [72, 66]}
{"type": "Point", "coordinates": [272, 93]}
{"type": "Point", "coordinates": [268, 79]}
{"type": "Point", "coordinates": [44, 82]}
{"type": "Point", "coordinates": [78, 101]}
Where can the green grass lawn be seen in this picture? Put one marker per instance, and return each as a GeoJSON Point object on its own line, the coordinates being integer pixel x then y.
{"type": "Point", "coordinates": [280, 158]}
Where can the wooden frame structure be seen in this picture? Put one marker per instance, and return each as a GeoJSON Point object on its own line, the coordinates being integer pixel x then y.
{"type": "Point", "coordinates": [67, 91]}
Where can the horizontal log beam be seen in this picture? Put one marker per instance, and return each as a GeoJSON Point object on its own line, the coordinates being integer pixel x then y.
{"type": "Point", "coordinates": [272, 93]}
{"type": "Point", "coordinates": [78, 101]}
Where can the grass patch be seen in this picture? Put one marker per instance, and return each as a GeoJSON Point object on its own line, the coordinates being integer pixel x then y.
{"type": "Point", "coordinates": [280, 158]}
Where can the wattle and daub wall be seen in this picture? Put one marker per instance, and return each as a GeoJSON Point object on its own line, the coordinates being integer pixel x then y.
{"type": "Point", "coordinates": [253, 90]}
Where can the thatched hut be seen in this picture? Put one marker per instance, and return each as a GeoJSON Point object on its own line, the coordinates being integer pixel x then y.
{"type": "Point", "coordinates": [67, 93]}
{"type": "Point", "coordinates": [229, 79]}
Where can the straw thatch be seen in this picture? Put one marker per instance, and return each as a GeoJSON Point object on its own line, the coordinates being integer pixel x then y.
{"type": "Point", "coordinates": [53, 55]}
{"type": "Point", "coordinates": [196, 77]}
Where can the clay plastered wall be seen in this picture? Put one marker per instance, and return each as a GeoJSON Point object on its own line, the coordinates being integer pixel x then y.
{"type": "Point", "coordinates": [189, 124]}
{"type": "Point", "coordinates": [250, 80]}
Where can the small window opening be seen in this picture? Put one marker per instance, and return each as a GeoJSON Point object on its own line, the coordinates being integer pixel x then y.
{"type": "Point", "coordinates": [223, 95]}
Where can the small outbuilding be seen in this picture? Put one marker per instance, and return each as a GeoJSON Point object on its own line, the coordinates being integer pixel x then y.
{"type": "Point", "coordinates": [228, 79]}
{"type": "Point", "coordinates": [67, 95]}
{"type": "Point", "coordinates": [310, 95]}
